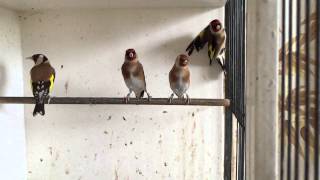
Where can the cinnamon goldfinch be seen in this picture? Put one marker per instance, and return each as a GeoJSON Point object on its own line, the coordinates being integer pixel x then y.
{"type": "Point", "coordinates": [133, 74]}
{"type": "Point", "coordinates": [179, 78]}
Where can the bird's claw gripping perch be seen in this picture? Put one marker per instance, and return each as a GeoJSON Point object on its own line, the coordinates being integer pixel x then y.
{"type": "Point", "coordinates": [127, 98]}
{"type": "Point", "coordinates": [188, 99]}
{"type": "Point", "coordinates": [149, 97]}
{"type": "Point", "coordinates": [170, 98]}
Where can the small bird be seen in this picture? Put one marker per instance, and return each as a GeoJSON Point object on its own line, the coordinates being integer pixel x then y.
{"type": "Point", "coordinates": [133, 75]}
{"type": "Point", "coordinates": [179, 78]}
{"type": "Point", "coordinates": [42, 79]}
{"type": "Point", "coordinates": [214, 34]}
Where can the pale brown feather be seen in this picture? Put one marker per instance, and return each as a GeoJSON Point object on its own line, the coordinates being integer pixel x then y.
{"type": "Point", "coordinates": [135, 68]}
{"type": "Point", "coordinates": [173, 75]}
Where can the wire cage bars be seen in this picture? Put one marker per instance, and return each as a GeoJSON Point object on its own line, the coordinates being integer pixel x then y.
{"type": "Point", "coordinates": [235, 11]}
{"type": "Point", "coordinates": [299, 89]}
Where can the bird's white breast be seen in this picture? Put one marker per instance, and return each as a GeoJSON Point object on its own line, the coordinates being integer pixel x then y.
{"type": "Point", "coordinates": [135, 84]}
{"type": "Point", "coordinates": [180, 87]}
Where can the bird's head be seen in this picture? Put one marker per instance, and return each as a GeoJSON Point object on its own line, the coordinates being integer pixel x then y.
{"type": "Point", "coordinates": [38, 58]}
{"type": "Point", "coordinates": [216, 25]}
{"type": "Point", "coordinates": [131, 54]}
{"type": "Point", "coordinates": [182, 60]}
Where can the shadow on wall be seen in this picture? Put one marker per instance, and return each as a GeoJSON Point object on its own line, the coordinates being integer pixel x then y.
{"type": "Point", "coordinates": [2, 79]}
{"type": "Point", "coordinates": [198, 59]}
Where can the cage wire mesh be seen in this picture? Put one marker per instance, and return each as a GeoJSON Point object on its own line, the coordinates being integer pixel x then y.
{"type": "Point", "coordinates": [235, 11]}
{"type": "Point", "coordinates": [299, 89]}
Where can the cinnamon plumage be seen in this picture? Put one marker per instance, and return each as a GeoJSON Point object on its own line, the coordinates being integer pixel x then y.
{"type": "Point", "coordinates": [133, 75]}
{"type": "Point", "coordinates": [179, 78]}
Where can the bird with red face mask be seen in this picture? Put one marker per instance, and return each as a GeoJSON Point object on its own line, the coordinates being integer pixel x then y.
{"type": "Point", "coordinates": [214, 34]}
{"type": "Point", "coordinates": [133, 74]}
{"type": "Point", "coordinates": [179, 78]}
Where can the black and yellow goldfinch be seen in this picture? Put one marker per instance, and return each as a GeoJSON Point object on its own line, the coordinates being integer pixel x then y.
{"type": "Point", "coordinates": [179, 78]}
{"type": "Point", "coordinates": [42, 79]}
{"type": "Point", "coordinates": [214, 34]}
{"type": "Point", "coordinates": [133, 74]}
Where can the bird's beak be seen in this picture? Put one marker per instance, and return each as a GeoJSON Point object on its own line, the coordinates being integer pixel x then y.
{"type": "Point", "coordinates": [29, 58]}
{"type": "Point", "coordinates": [131, 55]}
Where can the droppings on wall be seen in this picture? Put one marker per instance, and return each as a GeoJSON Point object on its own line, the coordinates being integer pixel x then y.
{"type": "Point", "coordinates": [122, 142]}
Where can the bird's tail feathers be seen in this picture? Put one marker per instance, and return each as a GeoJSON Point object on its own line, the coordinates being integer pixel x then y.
{"type": "Point", "coordinates": [141, 94]}
{"type": "Point", "coordinates": [39, 109]}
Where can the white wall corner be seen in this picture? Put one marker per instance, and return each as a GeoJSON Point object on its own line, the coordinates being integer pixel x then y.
{"type": "Point", "coordinates": [12, 130]}
{"type": "Point", "coordinates": [261, 96]}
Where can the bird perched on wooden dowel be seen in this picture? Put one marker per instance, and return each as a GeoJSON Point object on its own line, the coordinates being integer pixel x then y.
{"type": "Point", "coordinates": [179, 78]}
{"type": "Point", "coordinates": [133, 74]}
{"type": "Point", "coordinates": [214, 34]}
{"type": "Point", "coordinates": [42, 79]}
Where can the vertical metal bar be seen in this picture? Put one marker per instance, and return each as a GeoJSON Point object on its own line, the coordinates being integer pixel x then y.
{"type": "Point", "coordinates": [243, 70]}
{"type": "Point", "coordinates": [233, 55]}
{"type": "Point", "coordinates": [228, 144]}
{"type": "Point", "coordinates": [283, 66]}
{"type": "Point", "coordinates": [236, 60]}
{"type": "Point", "coordinates": [239, 88]}
{"type": "Point", "coordinates": [297, 104]}
{"type": "Point", "coordinates": [289, 92]}
{"type": "Point", "coordinates": [317, 124]}
{"type": "Point", "coordinates": [307, 120]}
{"type": "Point", "coordinates": [239, 150]}
{"type": "Point", "coordinates": [228, 112]}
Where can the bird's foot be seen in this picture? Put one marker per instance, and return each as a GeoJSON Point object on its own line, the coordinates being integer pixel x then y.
{"type": "Point", "coordinates": [188, 100]}
{"type": "Point", "coordinates": [170, 98]}
{"type": "Point", "coordinates": [210, 62]}
{"type": "Point", "coordinates": [126, 99]}
{"type": "Point", "coordinates": [149, 97]}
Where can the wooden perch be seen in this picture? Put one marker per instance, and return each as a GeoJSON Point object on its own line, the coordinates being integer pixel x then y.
{"type": "Point", "coordinates": [108, 100]}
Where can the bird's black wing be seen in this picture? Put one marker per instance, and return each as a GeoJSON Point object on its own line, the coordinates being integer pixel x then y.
{"type": "Point", "coordinates": [200, 41]}
{"type": "Point", "coordinates": [41, 90]}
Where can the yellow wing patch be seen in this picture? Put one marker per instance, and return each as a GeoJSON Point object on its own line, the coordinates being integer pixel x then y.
{"type": "Point", "coordinates": [51, 82]}
{"type": "Point", "coordinates": [211, 52]}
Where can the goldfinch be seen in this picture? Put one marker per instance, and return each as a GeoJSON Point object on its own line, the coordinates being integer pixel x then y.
{"type": "Point", "coordinates": [133, 75]}
{"type": "Point", "coordinates": [214, 34]}
{"type": "Point", "coordinates": [179, 78]}
{"type": "Point", "coordinates": [42, 80]}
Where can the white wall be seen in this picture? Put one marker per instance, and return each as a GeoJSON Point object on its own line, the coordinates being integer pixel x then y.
{"type": "Point", "coordinates": [12, 138]}
{"type": "Point", "coordinates": [261, 91]}
{"type": "Point", "coordinates": [94, 142]}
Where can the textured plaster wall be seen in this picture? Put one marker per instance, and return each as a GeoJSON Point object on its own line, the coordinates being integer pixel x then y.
{"type": "Point", "coordinates": [122, 142]}
{"type": "Point", "coordinates": [12, 132]}
{"type": "Point", "coordinates": [261, 90]}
